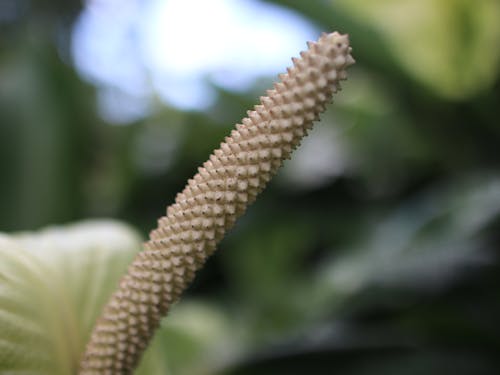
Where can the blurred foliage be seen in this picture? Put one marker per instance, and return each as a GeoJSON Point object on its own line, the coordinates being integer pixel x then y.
{"type": "Point", "coordinates": [374, 250]}
{"type": "Point", "coordinates": [52, 286]}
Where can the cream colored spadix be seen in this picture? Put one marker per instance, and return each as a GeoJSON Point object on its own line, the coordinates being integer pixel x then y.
{"type": "Point", "coordinates": [211, 202]}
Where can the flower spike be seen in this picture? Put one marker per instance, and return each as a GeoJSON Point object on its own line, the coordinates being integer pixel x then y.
{"type": "Point", "coordinates": [211, 202]}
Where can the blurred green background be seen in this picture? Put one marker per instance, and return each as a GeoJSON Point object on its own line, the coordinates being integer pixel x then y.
{"type": "Point", "coordinates": [375, 249]}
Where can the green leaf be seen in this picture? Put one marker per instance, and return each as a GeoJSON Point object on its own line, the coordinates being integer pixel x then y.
{"type": "Point", "coordinates": [449, 46]}
{"type": "Point", "coordinates": [53, 284]}
{"type": "Point", "coordinates": [197, 338]}
{"type": "Point", "coordinates": [424, 244]}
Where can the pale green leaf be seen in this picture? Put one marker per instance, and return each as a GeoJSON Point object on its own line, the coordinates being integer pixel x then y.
{"type": "Point", "coordinates": [451, 46]}
{"type": "Point", "coordinates": [53, 284]}
{"type": "Point", "coordinates": [197, 338]}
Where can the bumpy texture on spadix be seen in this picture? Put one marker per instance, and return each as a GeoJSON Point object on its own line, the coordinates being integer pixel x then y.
{"type": "Point", "coordinates": [211, 202]}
